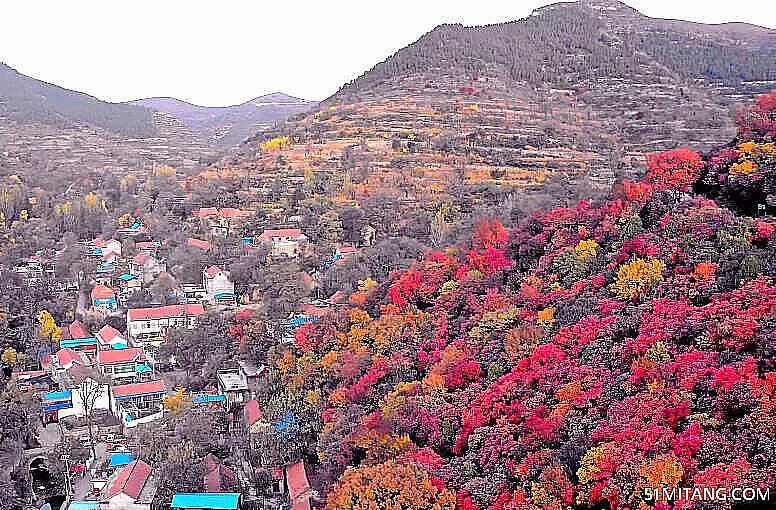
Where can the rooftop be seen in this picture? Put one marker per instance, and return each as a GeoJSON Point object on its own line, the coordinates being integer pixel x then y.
{"type": "Point", "coordinates": [232, 380]}
{"type": "Point", "coordinates": [130, 480]}
{"type": "Point", "coordinates": [165, 312]}
{"type": "Point", "coordinates": [121, 356]}
{"type": "Point", "coordinates": [206, 500]}
{"type": "Point", "coordinates": [144, 388]}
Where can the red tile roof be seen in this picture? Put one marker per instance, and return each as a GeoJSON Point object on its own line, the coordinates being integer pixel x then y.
{"type": "Point", "coordinates": [198, 243]}
{"type": "Point", "coordinates": [212, 271]}
{"type": "Point", "coordinates": [293, 233]}
{"type": "Point", "coordinates": [347, 250]}
{"type": "Point", "coordinates": [252, 412]}
{"type": "Point", "coordinates": [296, 477]}
{"type": "Point", "coordinates": [45, 362]}
{"type": "Point", "coordinates": [165, 312]}
{"type": "Point", "coordinates": [231, 212]}
{"type": "Point", "coordinates": [109, 334]}
{"type": "Point", "coordinates": [102, 292]}
{"type": "Point", "coordinates": [130, 481]}
{"type": "Point", "coordinates": [142, 258]}
{"type": "Point", "coordinates": [26, 374]}
{"type": "Point", "coordinates": [66, 356]}
{"type": "Point", "coordinates": [143, 388]}
{"type": "Point", "coordinates": [205, 212]}
{"type": "Point", "coordinates": [78, 330]}
{"type": "Point", "coordinates": [147, 245]}
{"type": "Point", "coordinates": [121, 356]}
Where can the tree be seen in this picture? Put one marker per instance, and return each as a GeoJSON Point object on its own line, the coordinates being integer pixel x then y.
{"type": "Point", "coordinates": [391, 486]}
{"type": "Point", "coordinates": [675, 169]}
{"type": "Point", "coordinates": [47, 328]}
{"type": "Point", "coordinates": [90, 386]}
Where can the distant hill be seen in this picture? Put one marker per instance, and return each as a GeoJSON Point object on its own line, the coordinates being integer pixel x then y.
{"type": "Point", "coordinates": [24, 99]}
{"type": "Point", "coordinates": [228, 125]}
{"type": "Point", "coordinates": [575, 44]}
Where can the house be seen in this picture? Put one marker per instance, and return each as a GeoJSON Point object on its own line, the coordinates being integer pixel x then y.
{"type": "Point", "coordinates": [217, 475]}
{"type": "Point", "coordinates": [109, 338]}
{"type": "Point", "coordinates": [38, 380]}
{"type": "Point", "coordinates": [206, 501]}
{"type": "Point", "coordinates": [110, 246]}
{"type": "Point", "coordinates": [198, 243]}
{"type": "Point", "coordinates": [136, 230]}
{"type": "Point", "coordinates": [299, 490]}
{"type": "Point", "coordinates": [233, 384]}
{"type": "Point", "coordinates": [77, 337]}
{"type": "Point", "coordinates": [219, 289]}
{"type": "Point", "coordinates": [104, 299]}
{"type": "Point", "coordinates": [146, 267]}
{"type": "Point", "coordinates": [130, 488]}
{"type": "Point", "coordinates": [148, 247]}
{"type": "Point", "coordinates": [285, 242]}
{"type": "Point", "coordinates": [151, 324]}
{"type": "Point", "coordinates": [52, 403]}
{"type": "Point", "coordinates": [223, 221]}
{"type": "Point", "coordinates": [129, 284]}
{"type": "Point", "coordinates": [89, 391]}
{"type": "Point", "coordinates": [66, 358]}
{"type": "Point", "coordinates": [137, 399]}
{"type": "Point", "coordinates": [254, 418]}
{"type": "Point", "coordinates": [124, 365]}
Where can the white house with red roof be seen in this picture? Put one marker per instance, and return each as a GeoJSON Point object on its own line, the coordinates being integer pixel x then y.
{"type": "Point", "coordinates": [151, 324]}
{"type": "Point", "coordinates": [130, 488]}
{"type": "Point", "coordinates": [146, 267]}
{"type": "Point", "coordinates": [132, 401]}
{"type": "Point", "coordinates": [109, 338]}
{"type": "Point", "coordinates": [285, 242]}
{"type": "Point", "coordinates": [124, 365]}
{"type": "Point", "coordinates": [219, 289]}
{"type": "Point", "coordinates": [104, 299]}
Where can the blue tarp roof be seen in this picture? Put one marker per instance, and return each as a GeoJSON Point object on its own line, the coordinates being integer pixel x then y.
{"type": "Point", "coordinates": [300, 321]}
{"type": "Point", "coordinates": [142, 368]}
{"type": "Point", "coordinates": [57, 406]}
{"type": "Point", "coordinates": [58, 395]}
{"type": "Point", "coordinates": [77, 342]}
{"type": "Point", "coordinates": [127, 277]}
{"type": "Point", "coordinates": [120, 459]}
{"type": "Point", "coordinates": [224, 295]}
{"type": "Point", "coordinates": [84, 505]}
{"type": "Point", "coordinates": [207, 500]}
{"type": "Point", "coordinates": [206, 399]}
{"type": "Point", "coordinates": [118, 345]}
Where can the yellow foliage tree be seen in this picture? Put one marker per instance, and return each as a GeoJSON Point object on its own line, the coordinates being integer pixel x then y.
{"type": "Point", "coordinates": [178, 401]}
{"type": "Point", "coordinates": [586, 249]}
{"type": "Point", "coordinates": [546, 317]}
{"type": "Point", "coordinates": [275, 144]}
{"type": "Point", "coordinates": [635, 277]}
{"type": "Point", "coordinates": [47, 327]}
{"type": "Point", "coordinates": [11, 357]}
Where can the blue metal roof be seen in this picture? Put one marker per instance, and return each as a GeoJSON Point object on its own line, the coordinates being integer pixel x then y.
{"type": "Point", "coordinates": [77, 342]}
{"type": "Point", "coordinates": [206, 399]}
{"type": "Point", "coordinates": [207, 500]}
{"type": "Point", "coordinates": [84, 505]}
{"type": "Point", "coordinates": [142, 368]}
{"type": "Point", "coordinates": [58, 395]}
{"type": "Point", "coordinates": [224, 295]}
{"type": "Point", "coordinates": [127, 277]}
{"type": "Point", "coordinates": [120, 459]}
{"type": "Point", "coordinates": [58, 405]}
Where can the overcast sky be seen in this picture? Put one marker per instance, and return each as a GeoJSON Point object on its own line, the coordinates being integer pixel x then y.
{"type": "Point", "coordinates": [219, 52]}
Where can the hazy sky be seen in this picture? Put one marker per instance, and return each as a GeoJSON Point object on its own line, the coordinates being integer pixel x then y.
{"type": "Point", "coordinates": [219, 52]}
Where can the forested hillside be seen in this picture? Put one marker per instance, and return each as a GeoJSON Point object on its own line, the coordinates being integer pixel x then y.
{"type": "Point", "coordinates": [590, 353]}
{"type": "Point", "coordinates": [24, 99]}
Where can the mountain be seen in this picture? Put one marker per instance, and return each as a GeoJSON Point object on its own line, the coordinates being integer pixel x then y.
{"type": "Point", "coordinates": [563, 103]}
{"type": "Point", "coordinates": [228, 125]}
{"type": "Point", "coordinates": [45, 128]}
{"type": "Point", "coordinates": [577, 361]}
{"type": "Point", "coordinates": [24, 99]}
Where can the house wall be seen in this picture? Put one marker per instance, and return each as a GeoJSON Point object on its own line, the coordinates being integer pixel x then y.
{"type": "Point", "coordinates": [123, 502]}
{"type": "Point", "coordinates": [79, 409]}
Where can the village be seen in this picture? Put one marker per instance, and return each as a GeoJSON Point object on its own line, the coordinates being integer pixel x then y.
{"type": "Point", "coordinates": [97, 388]}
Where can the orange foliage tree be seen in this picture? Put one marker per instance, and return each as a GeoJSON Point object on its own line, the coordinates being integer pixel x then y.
{"type": "Point", "coordinates": [389, 486]}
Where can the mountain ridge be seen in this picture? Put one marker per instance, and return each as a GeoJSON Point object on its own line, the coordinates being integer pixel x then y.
{"type": "Point", "coordinates": [227, 125]}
